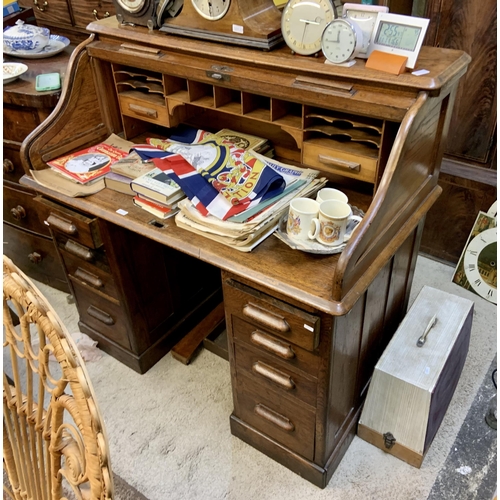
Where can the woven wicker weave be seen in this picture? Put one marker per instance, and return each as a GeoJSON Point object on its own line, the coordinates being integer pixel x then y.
{"type": "Point", "coordinates": [54, 441]}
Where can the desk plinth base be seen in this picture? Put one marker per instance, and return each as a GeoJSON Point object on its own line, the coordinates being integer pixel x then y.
{"type": "Point", "coordinates": [316, 474]}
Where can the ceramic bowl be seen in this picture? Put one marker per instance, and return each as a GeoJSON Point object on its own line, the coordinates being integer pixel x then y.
{"type": "Point", "coordinates": [25, 37]}
{"type": "Point", "coordinates": [12, 71]}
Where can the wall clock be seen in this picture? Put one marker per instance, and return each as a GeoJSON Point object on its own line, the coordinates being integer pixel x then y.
{"type": "Point", "coordinates": [137, 12]}
{"type": "Point", "coordinates": [251, 23]}
{"type": "Point", "coordinates": [365, 17]}
{"type": "Point", "coordinates": [477, 267]}
{"type": "Point", "coordinates": [303, 23]}
{"type": "Point", "coordinates": [341, 41]}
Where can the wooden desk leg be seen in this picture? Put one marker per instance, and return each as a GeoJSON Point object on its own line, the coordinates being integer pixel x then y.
{"type": "Point", "coordinates": [184, 350]}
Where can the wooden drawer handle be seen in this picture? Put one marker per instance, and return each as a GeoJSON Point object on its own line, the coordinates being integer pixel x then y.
{"type": "Point", "coordinates": [276, 376]}
{"type": "Point", "coordinates": [63, 225]}
{"type": "Point", "coordinates": [266, 318]}
{"type": "Point", "coordinates": [273, 417]}
{"type": "Point", "coordinates": [100, 315]}
{"type": "Point", "coordinates": [79, 250]}
{"type": "Point", "coordinates": [18, 213]}
{"type": "Point", "coordinates": [8, 166]}
{"type": "Point", "coordinates": [281, 349]}
{"type": "Point", "coordinates": [337, 162]}
{"type": "Point", "coordinates": [142, 111]}
{"type": "Point", "coordinates": [89, 278]}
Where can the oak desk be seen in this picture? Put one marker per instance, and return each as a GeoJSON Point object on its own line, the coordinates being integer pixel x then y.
{"type": "Point", "coordinates": [304, 331]}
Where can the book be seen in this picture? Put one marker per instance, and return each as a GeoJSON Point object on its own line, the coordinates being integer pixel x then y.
{"type": "Point", "coordinates": [88, 164]}
{"type": "Point", "coordinates": [159, 210]}
{"type": "Point", "coordinates": [118, 182]}
{"type": "Point", "coordinates": [132, 166]}
{"type": "Point", "coordinates": [158, 186]}
{"type": "Point", "coordinates": [241, 140]}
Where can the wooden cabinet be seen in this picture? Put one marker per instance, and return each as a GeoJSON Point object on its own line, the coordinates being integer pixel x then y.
{"type": "Point", "coordinates": [304, 330]}
{"type": "Point", "coordinates": [27, 240]}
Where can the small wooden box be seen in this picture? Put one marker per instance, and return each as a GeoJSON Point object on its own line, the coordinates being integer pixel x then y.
{"type": "Point", "coordinates": [412, 386]}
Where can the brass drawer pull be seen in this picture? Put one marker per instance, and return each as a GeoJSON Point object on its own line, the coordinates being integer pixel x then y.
{"type": "Point", "coordinates": [18, 213]}
{"type": "Point", "coordinates": [42, 8]}
{"type": "Point", "coordinates": [100, 315]}
{"type": "Point", "coordinates": [35, 258]}
{"type": "Point", "coordinates": [281, 349]}
{"type": "Point", "coordinates": [337, 162]}
{"type": "Point", "coordinates": [273, 417]}
{"type": "Point", "coordinates": [142, 111]}
{"type": "Point", "coordinates": [8, 166]}
{"type": "Point", "coordinates": [276, 376]}
{"type": "Point", "coordinates": [266, 318]}
{"type": "Point", "coordinates": [63, 225]}
{"type": "Point", "coordinates": [79, 250]}
{"type": "Point", "coordinates": [96, 17]}
{"type": "Point", "coordinates": [89, 278]}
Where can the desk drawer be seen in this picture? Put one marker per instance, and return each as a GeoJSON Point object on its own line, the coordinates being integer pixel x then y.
{"type": "Point", "coordinates": [276, 375]}
{"type": "Point", "coordinates": [276, 348]}
{"type": "Point", "coordinates": [272, 315]}
{"type": "Point", "coordinates": [75, 225]}
{"type": "Point", "coordinates": [101, 314]}
{"type": "Point", "coordinates": [291, 424]}
{"type": "Point", "coordinates": [339, 162]}
{"type": "Point", "coordinates": [20, 209]}
{"type": "Point", "coordinates": [153, 110]}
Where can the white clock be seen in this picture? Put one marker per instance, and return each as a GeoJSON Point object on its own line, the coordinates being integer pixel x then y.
{"type": "Point", "coordinates": [303, 22]}
{"type": "Point", "coordinates": [365, 17]}
{"type": "Point", "coordinates": [211, 9]}
{"type": "Point", "coordinates": [480, 264]}
{"type": "Point", "coordinates": [131, 6]}
{"type": "Point", "coordinates": [341, 41]}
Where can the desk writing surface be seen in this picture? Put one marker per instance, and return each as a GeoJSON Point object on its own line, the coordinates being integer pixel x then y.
{"type": "Point", "coordinates": [272, 263]}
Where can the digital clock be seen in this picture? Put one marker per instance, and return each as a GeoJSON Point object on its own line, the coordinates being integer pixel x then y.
{"type": "Point", "coordinates": [400, 35]}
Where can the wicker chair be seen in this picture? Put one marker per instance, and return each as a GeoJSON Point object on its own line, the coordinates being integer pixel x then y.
{"type": "Point", "coordinates": [54, 441]}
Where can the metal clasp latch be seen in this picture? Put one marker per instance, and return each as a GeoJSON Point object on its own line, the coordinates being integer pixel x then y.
{"type": "Point", "coordinates": [389, 440]}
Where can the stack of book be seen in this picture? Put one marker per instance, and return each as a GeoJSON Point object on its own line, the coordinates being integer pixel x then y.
{"type": "Point", "coordinates": [124, 171]}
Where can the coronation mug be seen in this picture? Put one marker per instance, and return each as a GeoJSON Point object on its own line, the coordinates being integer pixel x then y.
{"type": "Point", "coordinates": [300, 215]}
{"type": "Point", "coordinates": [330, 194]}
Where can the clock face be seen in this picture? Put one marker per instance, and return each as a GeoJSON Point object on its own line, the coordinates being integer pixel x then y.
{"type": "Point", "coordinates": [365, 17]}
{"type": "Point", "coordinates": [211, 9]}
{"type": "Point", "coordinates": [341, 41]}
{"type": "Point", "coordinates": [131, 6]}
{"type": "Point", "coordinates": [480, 264]}
{"type": "Point", "coordinates": [303, 23]}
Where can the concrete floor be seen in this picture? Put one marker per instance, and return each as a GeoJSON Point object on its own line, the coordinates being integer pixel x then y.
{"type": "Point", "coordinates": [170, 439]}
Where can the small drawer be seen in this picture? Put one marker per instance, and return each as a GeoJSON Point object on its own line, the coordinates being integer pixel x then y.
{"type": "Point", "coordinates": [21, 210]}
{"type": "Point", "coordinates": [94, 274]}
{"type": "Point", "coordinates": [79, 227]}
{"type": "Point", "coordinates": [272, 315]}
{"type": "Point", "coordinates": [275, 375]}
{"type": "Point", "coordinates": [101, 314]}
{"type": "Point", "coordinates": [289, 423]}
{"type": "Point", "coordinates": [276, 348]}
{"type": "Point", "coordinates": [338, 161]}
{"type": "Point", "coordinates": [153, 109]}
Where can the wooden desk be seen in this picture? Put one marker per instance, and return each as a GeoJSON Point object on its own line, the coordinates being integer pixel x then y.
{"type": "Point", "coordinates": [305, 331]}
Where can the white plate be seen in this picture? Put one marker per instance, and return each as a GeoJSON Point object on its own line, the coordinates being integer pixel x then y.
{"type": "Point", "coordinates": [13, 70]}
{"type": "Point", "coordinates": [57, 43]}
{"type": "Point", "coordinates": [314, 246]}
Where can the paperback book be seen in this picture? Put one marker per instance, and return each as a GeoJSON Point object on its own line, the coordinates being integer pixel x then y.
{"type": "Point", "coordinates": [132, 166]}
{"type": "Point", "coordinates": [118, 182]}
{"type": "Point", "coordinates": [159, 210]}
{"type": "Point", "coordinates": [88, 164]}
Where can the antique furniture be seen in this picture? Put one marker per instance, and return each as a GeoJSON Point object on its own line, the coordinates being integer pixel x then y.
{"type": "Point", "coordinates": [416, 376]}
{"type": "Point", "coordinates": [54, 439]}
{"type": "Point", "coordinates": [26, 239]}
{"type": "Point", "coordinates": [304, 330]}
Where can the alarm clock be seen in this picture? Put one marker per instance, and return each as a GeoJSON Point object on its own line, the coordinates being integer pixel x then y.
{"type": "Point", "coordinates": [303, 22]}
{"type": "Point", "coordinates": [341, 41]}
{"type": "Point", "coordinates": [138, 12]}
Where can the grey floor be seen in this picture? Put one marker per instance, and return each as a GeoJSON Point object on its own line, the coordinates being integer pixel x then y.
{"type": "Point", "coordinates": [170, 439]}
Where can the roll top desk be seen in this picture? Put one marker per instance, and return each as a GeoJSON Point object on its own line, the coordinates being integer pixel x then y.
{"type": "Point", "coordinates": [304, 330]}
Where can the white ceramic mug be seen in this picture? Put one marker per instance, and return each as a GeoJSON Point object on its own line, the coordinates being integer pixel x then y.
{"type": "Point", "coordinates": [329, 227]}
{"type": "Point", "coordinates": [331, 194]}
{"type": "Point", "coordinates": [300, 215]}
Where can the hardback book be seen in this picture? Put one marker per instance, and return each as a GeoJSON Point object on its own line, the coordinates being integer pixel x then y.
{"type": "Point", "coordinates": [132, 166]}
{"type": "Point", "coordinates": [118, 182]}
{"type": "Point", "coordinates": [241, 140]}
{"type": "Point", "coordinates": [159, 210]}
{"type": "Point", "coordinates": [158, 186]}
{"type": "Point", "coordinates": [88, 164]}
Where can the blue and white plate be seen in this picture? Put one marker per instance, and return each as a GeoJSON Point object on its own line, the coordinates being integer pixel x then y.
{"type": "Point", "coordinates": [57, 44]}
